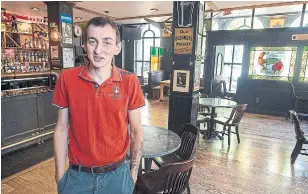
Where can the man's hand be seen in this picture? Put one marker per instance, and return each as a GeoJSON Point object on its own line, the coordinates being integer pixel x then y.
{"type": "Point", "coordinates": [59, 176]}
{"type": "Point", "coordinates": [134, 175]}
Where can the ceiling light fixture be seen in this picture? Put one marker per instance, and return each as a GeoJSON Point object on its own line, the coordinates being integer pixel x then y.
{"type": "Point", "coordinates": [106, 12]}
{"type": "Point", "coordinates": [154, 9]}
{"type": "Point", "coordinates": [35, 8]}
{"type": "Point", "coordinates": [78, 18]}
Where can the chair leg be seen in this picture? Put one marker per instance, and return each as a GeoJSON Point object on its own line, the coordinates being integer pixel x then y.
{"type": "Point", "coordinates": [237, 134]}
{"type": "Point", "coordinates": [224, 129]}
{"type": "Point", "coordinates": [297, 149]}
{"type": "Point", "coordinates": [147, 164]}
{"type": "Point", "coordinates": [188, 188]}
{"type": "Point", "coordinates": [229, 135]}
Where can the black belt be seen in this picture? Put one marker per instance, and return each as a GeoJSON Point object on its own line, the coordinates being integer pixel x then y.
{"type": "Point", "coordinates": [99, 169]}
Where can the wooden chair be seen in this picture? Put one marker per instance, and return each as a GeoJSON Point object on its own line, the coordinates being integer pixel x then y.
{"type": "Point", "coordinates": [220, 90]}
{"type": "Point", "coordinates": [203, 112]}
{"type": "Point", "coordinates": [189, 135]}
{"type": "Point", "coordinates": [169, 179]}
{"type": "Point", "coordinates": [300, 137]}
{"type": "Point", "coordinates": [233, 121]}
{"type": "Point", "coordinates": [299, 104]}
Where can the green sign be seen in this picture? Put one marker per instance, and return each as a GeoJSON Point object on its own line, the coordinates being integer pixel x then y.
{"type": "Point", "coordinates": [157, 51]}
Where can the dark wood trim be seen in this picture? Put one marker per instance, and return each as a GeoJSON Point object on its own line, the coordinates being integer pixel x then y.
{"type": "Point", "coordinates": [303, 15]}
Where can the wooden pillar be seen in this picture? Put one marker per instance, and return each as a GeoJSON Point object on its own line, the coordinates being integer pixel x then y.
{"type": "Point", "coordinates": [60, 17]}
{"type": "Point", "coordinates": [187, 30]}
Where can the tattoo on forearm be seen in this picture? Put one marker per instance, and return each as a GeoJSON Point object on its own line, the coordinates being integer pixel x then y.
{"type": "Point", "coordinates": [135, 157]}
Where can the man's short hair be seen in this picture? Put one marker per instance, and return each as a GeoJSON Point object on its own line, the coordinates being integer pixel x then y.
{"type": "Point", "coordinates": [101, 21]}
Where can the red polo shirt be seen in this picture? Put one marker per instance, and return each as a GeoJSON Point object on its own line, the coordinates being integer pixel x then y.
{"type": "Point", "coordinates": [98, 131]}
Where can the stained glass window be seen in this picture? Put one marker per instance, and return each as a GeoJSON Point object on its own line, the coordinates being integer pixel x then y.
{"type": "Point", "coordinates": [272, 63]}
{"type": "Point", "coordinates": [303, 75]}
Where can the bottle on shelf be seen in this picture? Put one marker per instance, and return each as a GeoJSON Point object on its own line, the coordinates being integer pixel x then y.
{"type": "Point", "coordinates": [29, 57]}
{"type": "Point", "coordinates": [27, 43]}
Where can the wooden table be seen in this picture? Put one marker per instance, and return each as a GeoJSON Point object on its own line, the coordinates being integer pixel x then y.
{"type": "Point", "coordinates": [163, 84]}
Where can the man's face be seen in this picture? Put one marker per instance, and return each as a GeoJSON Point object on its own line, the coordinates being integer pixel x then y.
{"type": "Point", "coordinates": [101, 45]}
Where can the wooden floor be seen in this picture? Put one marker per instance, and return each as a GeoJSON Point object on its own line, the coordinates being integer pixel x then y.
{"type": "Point", "coordinates": [259, 164]}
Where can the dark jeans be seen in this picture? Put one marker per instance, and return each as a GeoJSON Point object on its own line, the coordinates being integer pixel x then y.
{"type": "Point", "coordinates": [119, 181]}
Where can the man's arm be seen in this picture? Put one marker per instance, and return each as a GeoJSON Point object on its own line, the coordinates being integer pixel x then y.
{"type": "Point", "coordinates": [61, 142]}
{"type": "Point", "coordinates": [136, 141]}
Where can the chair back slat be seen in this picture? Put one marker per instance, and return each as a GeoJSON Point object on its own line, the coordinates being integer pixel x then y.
{"type": "Point", "coordinates": [237, 114]}
{"type": "Point", "coordinates": [189, 135]}
{"type": "Point", "coordinates": [186, 148]}
{"type": "Point", "coordinates": [178, 175]}
{"type": "Point", "coordinates": [171, 178]}
{"type": "Point", "coordinates": [298, 132]}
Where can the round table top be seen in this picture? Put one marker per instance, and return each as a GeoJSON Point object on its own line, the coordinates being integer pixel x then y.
{"type": "Point", "coordinates": [217, 102]}
{"type": "Point", "coordinates": [159, 141]}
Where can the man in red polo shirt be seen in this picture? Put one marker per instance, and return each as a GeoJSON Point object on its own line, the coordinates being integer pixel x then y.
{"type": "Point", "coordinates": [96, 103]}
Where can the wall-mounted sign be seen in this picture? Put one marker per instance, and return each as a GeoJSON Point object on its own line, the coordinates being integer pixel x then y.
{"type": "Point", "coordinates": [66, 18]}
{"type": "Point", "coordinates": [185, 10]}
{"type": "Point", "coordinates": [68, 58]}
{"type": "Point", "coordinates": [183, 40]}
{"type": "Point", "coordinates": [54, 52]}
{"type": "Point", "coordinates": [300, 37]}
{"type": "Point", "coordinates": [67, 33]}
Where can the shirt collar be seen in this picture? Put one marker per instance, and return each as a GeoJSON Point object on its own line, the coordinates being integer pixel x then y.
{"type": "Point", "coordinates": [115, 74]}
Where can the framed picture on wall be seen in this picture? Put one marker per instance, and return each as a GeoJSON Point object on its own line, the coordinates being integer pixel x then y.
{"type": "Point", "coordinates": [181, 81]}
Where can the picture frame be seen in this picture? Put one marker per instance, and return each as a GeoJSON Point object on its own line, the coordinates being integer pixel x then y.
{"type": "Point", "coordinates": [181, 80]}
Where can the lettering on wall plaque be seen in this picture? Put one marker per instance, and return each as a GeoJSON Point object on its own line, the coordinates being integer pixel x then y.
{"type": "Point", "coordinates": [183, 40]}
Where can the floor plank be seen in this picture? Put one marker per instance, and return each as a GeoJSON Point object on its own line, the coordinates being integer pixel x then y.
{"type": "Point", "coordinates": [259, 164]}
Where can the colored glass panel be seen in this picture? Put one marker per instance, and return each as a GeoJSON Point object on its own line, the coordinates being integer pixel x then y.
{"type": "Point", "coordinates": [272, 63]}
{"type": "Point", "coordinates": [303, 75]}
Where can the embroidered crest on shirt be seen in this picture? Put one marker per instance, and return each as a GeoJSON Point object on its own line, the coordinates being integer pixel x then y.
{"type": "Point", "coordinates": [116, 92]}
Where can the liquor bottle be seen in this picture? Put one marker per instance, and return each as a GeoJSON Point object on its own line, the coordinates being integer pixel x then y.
{"type": "Point", "coordinates": [46, 57]}
{"type": "Point", "coordinates": [39, 57]}
{"type": "Point", "coordinates": [21, 56]}
{"type": "Point", "coordinates": [32, 57]}
{"type": "Point", "coordinates": [31, 43]}
{"type": "Point", "coordinates": [29, 57]}
{"type": "Point", "coordinates": [36, 57]}
{"type": "Point", "coordinates": [27, 43]}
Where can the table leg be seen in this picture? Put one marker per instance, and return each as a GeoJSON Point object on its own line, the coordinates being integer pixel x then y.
{"type": "Point", "coordinates": [161, 92]}
{"type": "Point", "coordinates": [211, 133]}
{"type": "Point", "coordinates": [211, 125]}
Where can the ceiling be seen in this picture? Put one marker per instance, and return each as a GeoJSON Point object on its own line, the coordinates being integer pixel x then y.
{"type": "Point", "coordinates": [118, 9]}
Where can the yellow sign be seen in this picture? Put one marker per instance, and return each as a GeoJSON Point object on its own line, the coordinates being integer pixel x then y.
{"type": "Point", "coordinates": [300, 37]}
{"type": "Point", "coordinates": [183, 40]}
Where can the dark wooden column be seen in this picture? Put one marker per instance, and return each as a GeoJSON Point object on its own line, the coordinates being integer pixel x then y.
{"type": "Point", "coordinates": [60, 52]}
{"type": "Point", "coordinates": [187, 31]}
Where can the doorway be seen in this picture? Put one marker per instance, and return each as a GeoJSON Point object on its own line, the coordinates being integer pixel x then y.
{"type": "Point", "coordinates": [228, 64]}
